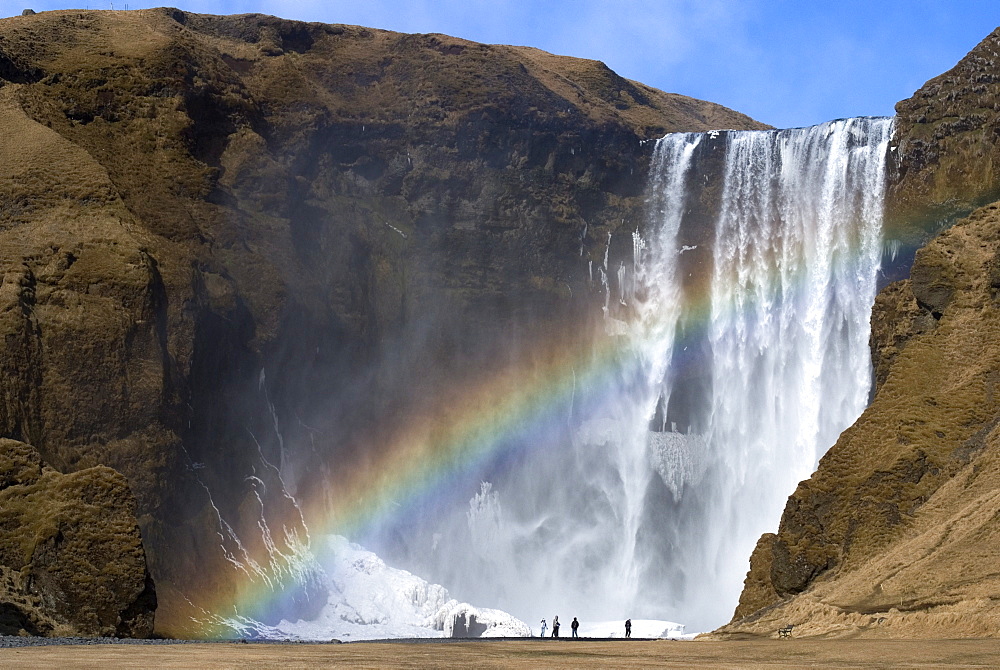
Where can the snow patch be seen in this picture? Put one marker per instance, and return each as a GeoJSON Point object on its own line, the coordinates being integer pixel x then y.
{"type": "Point", "coordinates": [641, 628]}
{"type": "Point", "coordinates": [369, 600]}
{"type": "Point", "coordinates": [463, 620]}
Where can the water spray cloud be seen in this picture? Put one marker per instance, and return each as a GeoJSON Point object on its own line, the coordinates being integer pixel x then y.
{"type": "Point", "coordinates": [623, 518]}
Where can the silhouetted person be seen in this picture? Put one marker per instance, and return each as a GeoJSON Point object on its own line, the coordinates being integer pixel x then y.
{"type": "Point", "coordinates": [574, 626]}
{"type": "Point", "coordinates": [555, 626]}
{"type": "Point", "coordinates": [628, 628]}
{"type": "Point", "coordinates": [545, 627]}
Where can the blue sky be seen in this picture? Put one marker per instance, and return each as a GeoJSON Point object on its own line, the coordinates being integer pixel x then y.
{"type": "Point", "coordinates": [784, 62]}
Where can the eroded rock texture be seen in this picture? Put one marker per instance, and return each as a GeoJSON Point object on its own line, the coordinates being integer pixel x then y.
{"type": "Point", "coordinates": [946, 144]}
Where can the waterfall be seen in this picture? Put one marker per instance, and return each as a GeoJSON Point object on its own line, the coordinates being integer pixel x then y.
{"type": "Point", "coordinates": [740, 340]}
{"type": "Point", "coordinates": [782, 329]}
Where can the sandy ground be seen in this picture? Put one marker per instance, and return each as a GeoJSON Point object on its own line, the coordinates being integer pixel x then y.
{"type": "Point", "coordinates": [523, 654]}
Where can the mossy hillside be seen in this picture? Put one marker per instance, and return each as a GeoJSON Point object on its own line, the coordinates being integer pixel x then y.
{"type": "Point", "coordinates": [896, 317]}
{"type": "Point", "coordinates": [191, 82]}
{"type": "Point", "coordinates": [79, 288]}
{"type": "Point", "coordinates": [94, 379]}
{"type": "Point", "coordinates": [945, 147]}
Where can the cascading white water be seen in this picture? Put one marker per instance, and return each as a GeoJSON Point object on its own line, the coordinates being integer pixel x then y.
{"type": "Point", "coordinates": [795, 257]}
{"type": "Point", "coordinates": [740, 359]}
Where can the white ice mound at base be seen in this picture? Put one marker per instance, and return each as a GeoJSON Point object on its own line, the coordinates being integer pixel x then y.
{"type": "Point", "coordinates": [463, 620]}
{"type": "Point", "coordinates": [370, 600]}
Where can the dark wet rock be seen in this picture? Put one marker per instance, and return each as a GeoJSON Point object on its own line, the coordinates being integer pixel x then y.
{"type": "Point", "coordinates": [465, 625]}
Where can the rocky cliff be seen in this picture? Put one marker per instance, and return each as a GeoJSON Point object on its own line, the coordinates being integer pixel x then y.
{"type": "Point", "coordinates": [221, 236]}
{"type": "Point", "coordinates": [895, 533]}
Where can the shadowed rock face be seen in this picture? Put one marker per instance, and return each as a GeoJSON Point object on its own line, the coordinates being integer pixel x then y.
{"type": "Point", "coordinates": [221, 236]}
{"type": "Point", "coordinates": [71, 559]}
{"type": "Point", "coordinates": [895, 534]}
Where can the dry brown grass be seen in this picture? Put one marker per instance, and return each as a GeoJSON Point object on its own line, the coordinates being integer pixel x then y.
{"type": "Point", "coordinates": [605, 95]}
{"type": "Point", "coordinates": [526, 654]}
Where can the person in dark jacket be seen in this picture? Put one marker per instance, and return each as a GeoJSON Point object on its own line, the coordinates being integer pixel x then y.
{"type": "Point", "coordinates": [628, 628]}
{"type": "Point", "coordinates": [574, 626]}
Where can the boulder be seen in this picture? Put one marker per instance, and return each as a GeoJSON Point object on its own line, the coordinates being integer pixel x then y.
{"type": "Point", "coordinates": [71, 558]}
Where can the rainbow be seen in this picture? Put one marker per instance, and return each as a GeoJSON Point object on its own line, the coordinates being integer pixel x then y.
{"type": "Point", "coordinates": [488, 420]}
{"type": "Point", "coordinates": [477, 423]}
{"type": "Point", "coordinates": [494, 418]}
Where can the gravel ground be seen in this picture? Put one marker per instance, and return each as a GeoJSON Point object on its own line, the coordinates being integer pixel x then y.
{"type": "Point", "coordinates": [8, 641]}
{"type": "Point", "coordinates": [524, 654]}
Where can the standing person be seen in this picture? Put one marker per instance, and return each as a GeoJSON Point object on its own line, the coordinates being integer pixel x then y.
{"type": "Point", "coordinates": [555, 626]}
{"type": "Point", "coordinates": [545, 627]}
{"type": "Point", "coordinates": [574, 626]}
{"type": "Point", "coordinates": [628, 628]}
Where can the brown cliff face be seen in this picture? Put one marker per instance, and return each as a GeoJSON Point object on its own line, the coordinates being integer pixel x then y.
{"type": "Point", "coordinates": [216, 227]}
{"type": "Point", "coordinates": [71, 559]}
{"type": "Point", "coordinates": [893, 535]}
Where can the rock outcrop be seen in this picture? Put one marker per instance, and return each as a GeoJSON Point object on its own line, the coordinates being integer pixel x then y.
{"type": "Point", "coordinates": [946, 146]}
{"type": "Point", "coordinates": [895, 534]}
{"type": "Point", "coordinates": [223, 235]}
{"type": "Point", "coordinates": [71, 558]}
